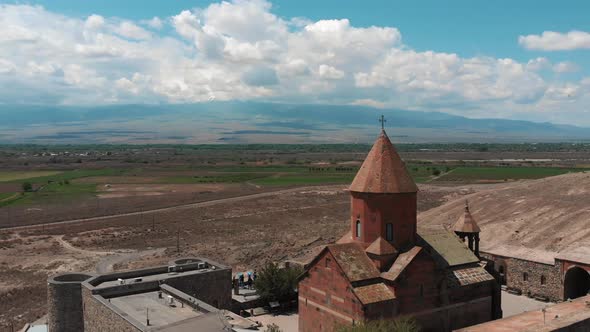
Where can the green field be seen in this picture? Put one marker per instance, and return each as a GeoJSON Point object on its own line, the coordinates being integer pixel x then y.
{"type": "Point", "coordinates": [470, 174]}
{"type": "Point", "coordinates": [58, 186]}
{"type": "Point", "coordinates": [302, 179]}
{"type": "Point", "coordinates": [75, 174]}
{"type": "Point", "coordinates": [11, 176]}
{"type": "Point", "coordinates": [54, 192]}
{"type": "Point", "coordinates": [6, 196]}
{"type": "Point", "coordinates": [213, 178]}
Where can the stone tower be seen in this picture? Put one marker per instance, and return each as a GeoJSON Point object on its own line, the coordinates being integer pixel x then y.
{"type": "Point", "coordinates": [383, 200]}
{"type": "Point", "coordinates": [466, 227]}
{"type": "Point", "coordinates": [65, 312]}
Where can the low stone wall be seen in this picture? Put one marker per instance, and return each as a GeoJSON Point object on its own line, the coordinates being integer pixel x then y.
{"type": "Point", "coordinates": [533, 279]}
{"type": "Point", "coordinates": [212, 287]}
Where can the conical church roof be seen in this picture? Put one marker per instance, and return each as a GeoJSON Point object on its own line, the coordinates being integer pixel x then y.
{"type": "Point", "coordinates": [380, 247]}
{"type": "Point", "coordinates": [466, 223]}
{"type": "Point", "coordinates": [383, 171]}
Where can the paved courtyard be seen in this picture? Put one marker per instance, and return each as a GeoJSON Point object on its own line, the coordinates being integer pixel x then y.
{"type": "Point", "coordinates": [515, 304]}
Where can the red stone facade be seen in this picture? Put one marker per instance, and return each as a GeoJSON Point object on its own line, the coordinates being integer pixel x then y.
{"type": "Point", "coordinates": [326, 300]}
{"type": "Point", "coordinates": [375, 211]}
{"type": "Point", "coordinates": [384, 268]}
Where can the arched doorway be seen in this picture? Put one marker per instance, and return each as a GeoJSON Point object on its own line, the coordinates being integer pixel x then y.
{"type": "Point", "coordinates": [576, 283]}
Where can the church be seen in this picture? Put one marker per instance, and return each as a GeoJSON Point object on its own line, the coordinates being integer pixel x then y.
{"type": "Point", "coordinates": [385, 267]}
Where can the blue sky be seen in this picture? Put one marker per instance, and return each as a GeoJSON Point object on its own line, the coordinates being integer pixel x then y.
{"type": "Point", "coordinates": [466, 27]}
{"type": "Point", "coordinates": [506, 59]}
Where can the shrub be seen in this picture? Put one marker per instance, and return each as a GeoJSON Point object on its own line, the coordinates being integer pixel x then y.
{"type": "Point", "coordinates": [27, 187]}
{"type": "Point", "coordinates": [276, 284]}
{"type": "Point", "coordinates": [401, 324]}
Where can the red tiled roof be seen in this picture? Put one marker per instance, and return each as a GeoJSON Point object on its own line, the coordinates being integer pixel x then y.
{"type": "Point", "coordinates": [383, 171]}
{"type": "Point", "coordinates": [400, 264]}
{"type": "Point", "coordinates": [381, 247]}
{"type": "Point", "coordinates": [373, 293]}
{"type": "Point", "coordinates": [353, 261]}
{"type": "Point", "coordinates": [346, 238]}
{"type": "Point", "coordinates": [467, 276]}
{"type": "Point", "coordinates": [466, 223]}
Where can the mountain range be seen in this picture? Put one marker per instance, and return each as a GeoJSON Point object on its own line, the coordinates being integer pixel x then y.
{"type": "Point", "coordinates": [256, 122]}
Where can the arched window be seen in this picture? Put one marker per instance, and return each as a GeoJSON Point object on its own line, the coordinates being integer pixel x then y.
{"type": "Point", "coordinates": [389, 232]}
{"type": "Point", "coordinates": [543, 280]}
{"type": "Point", "coordinates": [525, 276]}
{"type": "Point", "coordinates": [358, 228]}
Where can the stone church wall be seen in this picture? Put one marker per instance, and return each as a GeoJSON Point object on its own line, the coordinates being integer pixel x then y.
{"type": "Point", "coordinates": [526, 276]}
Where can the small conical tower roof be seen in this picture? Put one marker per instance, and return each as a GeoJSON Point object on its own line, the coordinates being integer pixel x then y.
{"type": "Point", "coordinates": [383, 171]}
{"type": "Point", "coordinates": [380, 247]}
{"type": "Point", "coordinates": [466, 223]}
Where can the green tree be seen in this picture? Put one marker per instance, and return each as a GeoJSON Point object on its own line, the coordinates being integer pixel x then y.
{"type": "Point", "coordinates": [401, 324]}
{"type": "Point", "coordinates": [27, 187]}
{"type": "Point", "coordinates": [276, 284]}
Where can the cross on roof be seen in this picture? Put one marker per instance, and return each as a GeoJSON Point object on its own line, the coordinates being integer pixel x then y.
{"type": "Point", "coordinates": [382, 120]}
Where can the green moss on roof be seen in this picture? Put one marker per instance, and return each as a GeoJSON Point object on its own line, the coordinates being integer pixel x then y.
{"type": "Point", "coordinates": [446, 247]}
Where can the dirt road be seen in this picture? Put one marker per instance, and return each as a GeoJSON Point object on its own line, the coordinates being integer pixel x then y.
{"type": "Point", "coordinates": [147, 212]}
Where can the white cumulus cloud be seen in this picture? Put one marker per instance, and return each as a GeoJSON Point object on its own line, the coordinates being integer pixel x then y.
{"type": "Point", "coordinates": [565, 67]}
{"type": "Point", "coordinates": [241, 50]}
{"type": "Point", "coordinates": [556, 41]}
{"type": "Point", "coordinates": [330, 73]}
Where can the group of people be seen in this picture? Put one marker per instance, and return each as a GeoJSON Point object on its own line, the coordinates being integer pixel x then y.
{"type": "Point", "coordinates": [248, 281]}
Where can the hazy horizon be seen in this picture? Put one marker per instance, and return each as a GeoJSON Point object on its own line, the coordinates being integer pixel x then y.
{"type": "Point", "coordinates": [478, 60]}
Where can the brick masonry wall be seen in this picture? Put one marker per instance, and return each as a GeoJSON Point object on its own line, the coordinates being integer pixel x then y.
{"type": "Point", "coordinates": [418, 288]}
{"type": "Point", "coordinates": [376, 210]}
{"type": "Point", "coordinates": [455, 316]}
{"type": "Point", "coordinates": [439, 308]}
{"type": "Point", "coordinates": [325, 298]}
{"type": "Point", "coordinates": [515, 270]}
{"type": "Point", "coordinates": [99, 318]}
{"type": "Point", "coordinates": [421, 292]}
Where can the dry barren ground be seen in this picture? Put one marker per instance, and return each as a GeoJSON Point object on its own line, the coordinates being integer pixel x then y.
{"type": "Point", "coordinates": [244, 234]}
{"type": "Point", "coordinates": [548, 214]}
{"type": "Point", "coordinates": [121, 198]}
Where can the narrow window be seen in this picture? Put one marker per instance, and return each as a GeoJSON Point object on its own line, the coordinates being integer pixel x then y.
{"type": "Point", "coordinates": [389, 232]}
{"type": "Point", "coordinates": [327, 262]}
{"type": "Point", "coordinates": [421, 290]}
{"type": "Point", "coordinates": [525, 276]}
{"type": "Point", "coordinates": [543, 280]}
{"type": "Point", "coordinates": [358, 228]}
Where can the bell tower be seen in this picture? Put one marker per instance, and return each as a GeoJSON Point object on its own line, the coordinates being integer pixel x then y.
{"type": "Point", "coordinates": [466, 227]}
{"type": "Point", "coordinates": [383, 198]}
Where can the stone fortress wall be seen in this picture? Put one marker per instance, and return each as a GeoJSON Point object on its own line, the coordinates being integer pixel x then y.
{"type": "Point", "coordinates": [80, 302]}
{"type": "Point", "coordinates": [534, 279]}
{"type": "Point", "coordinates": [64, 302]}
